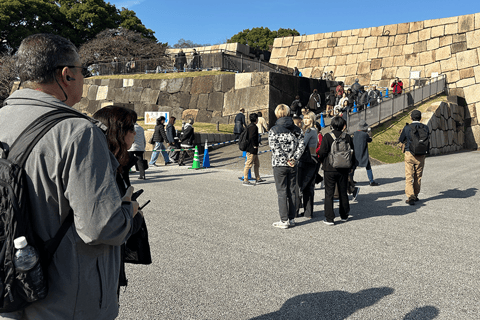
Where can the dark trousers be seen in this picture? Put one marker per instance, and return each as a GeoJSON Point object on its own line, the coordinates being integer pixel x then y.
{"type": "Point", "coordinates": [139, 164]}
{"type": "Point", "coordinates": [181, 157]}
{"type": "Point", "coordinates": [331, 179]}
{"type": "Point", "coordinates": [285, 180]}
{"type": "Point", "coordinates": [306, 182]}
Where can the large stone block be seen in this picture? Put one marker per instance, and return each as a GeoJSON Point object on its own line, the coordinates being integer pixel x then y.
{"type": "Point", "coordinates": [202, 103]}
{"type": "Point", "coordinates": [84, 92]}
{"type": "Point", "coordinates": [342, 41]}
{"type": "Point", "coordinates": [400, 39]}
{"type": "Point", "coordinates": [451, 28]}
{"type": "Point", "coordinates": [352, 40]}
{"type": "Point", "coordinates": [174, 85]}
{"type": "Point", "coordinates": [338, 51]}
{"type": "Point", "coordinates": [403, 28]}
{"type": "Point", "coordinates": [127, 83]}
{"type": "Point", "coordinates": [370, 42]}
{"type": "Point", "coordinates": [357, 48]}
{"type": "Point", "coordinates": [476, 71]}
{"type": "Point", "coordinates": [459, 47]}
{"type": "Point", "coordinates": [473, 39]}
{"type": "Point", "coordinates": [445, 41]}
{"type": "Point", "coordinates": [292, 51]}
{"type": "Point", "coordinates": [408, 49]}
{"type": "Point", "coordinates": [403, 72]}
{"type": "Point", "coordinates": [133, 94]}
{"type": "Point", "coordinates": [215, 101]}
{"type": "Point", "coordinates": [376, 31]}
{"type": "Point", "coordinates": [342, 60]}
{"type": "Point", "coordinates": [433, 44]}
{"type": "Point", "coordinates": [387, 62]}
{"type": "Point", "coordinates": [384, 52]}
{"type": "Point", "coordinates": [452, 76]}
{"type": "Point", "coordinates": [376, 64]}
{"type": "Point", "coordinates": [465, 82]}
{"type": "Point", "coordinates": [438, 31]}
{"type": "Point", "coordinates": [396, 51]}
{"type": "Point", "coordinates": [309, 54]}
{"type": "Point", "coordinates": [377, 75]}
{"type": "Point", "coordinates": [260, 78]}
{"type": "Point", "coordinates": [389, 73]}
{"type": "Point", "coordinates": [365, 32]}
{"type": "Point", "coordinates": [467, 73]}
{"type": "Point", "coordinates": [352, 58]}
{"type": "Point", "coordinates": [472, 137]}
{"type": "Point", "coordinates": [189, 114]}
{"type": "Point", "coordinates": [420, 47]}
{"type": "Point", "coordinates": [449, 64]}
{"type": "Point", "coordinates": [332, 42]}
{"type": "Point", "coordinates": [466, 23]}
{"type": "Point", "coordinates": [365, 78]}
{"type": "Point", "coordinates": [467, 59]}
{"type": "Point", "coordinates": [363, 67]}
{"type": "Point", "coordinates": [399, 61]}
{"type": "Point", "coordinates": [471, 93]}
{"type": "Point", "coordinates": [412, 59]}
{"type": "Point", "coordinates": [149, 96]}
{"type": "Point", "coordinates": [92, 92]}
{"type": "Point", "coordinates": [300, 55]}
{"type": "Point", "coordinates": [187, 84]}
{"type": "Point", "coordinates": [277, 42]}
{"type": "Point", "coordinates": [340, 71]}
{"type": "Point", "coordinates": [412, 37]}
{"type": "Point", "coordinates": [351, 69]}
{"type": "Point", "coordinates": [381, 42]}
{"type": "Point", "coordinates": [443, 53]}
{"type": "Point", "coordinates": [438, 22]}
{"type": "Point", "coordinates": [416, 26]}
{"type": "Point", "coordinates": [202, 85]}
{"type": "Point", "coordinates": [425, 34]}
{"type": "Point", "coordinates": [372, 54]}
{"type": "Point", "coordinates": [193, 101]}
{"type": "Point", "coordinates": [228, 82]}
{"type": "Point", "coordinates": [318, 53]}
{"type": "Point", "coordinates": [427, 57]}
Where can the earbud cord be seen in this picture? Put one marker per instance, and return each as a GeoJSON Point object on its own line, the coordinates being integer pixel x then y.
{"type": "Point", "coordinates": [66, 97]}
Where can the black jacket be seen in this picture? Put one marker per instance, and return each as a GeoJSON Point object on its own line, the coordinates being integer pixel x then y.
{"type": "Point", "coordinates": [252, 136]}
{"type": "Point", "coordinates": [239, 123]}
{"type": "Point", "coordinates": [159, 134]}
{"type": "Point", "coordinates": [171, 133]}
{"type": "Point", "coordinates": [325, 150]}
{"type": "Point", "coordinates": [188, 135]}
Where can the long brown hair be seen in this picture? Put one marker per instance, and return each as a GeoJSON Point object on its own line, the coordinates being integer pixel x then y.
{"type": "Point", "coordinates": [119, 122]}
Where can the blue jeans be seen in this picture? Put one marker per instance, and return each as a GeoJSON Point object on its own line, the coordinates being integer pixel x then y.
{"type": "Point", "coordinates": [158, 146]}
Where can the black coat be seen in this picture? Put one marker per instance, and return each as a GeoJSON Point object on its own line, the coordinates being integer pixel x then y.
{"type": "Point", "coordinates": [360, 142]}
{"type": "Point", "coordinates": [252, 136]}
{"type": "Point", "coordinates": [188, 136]}
{"type": "Point", "coordinates": [325, 150]}
{"type": "Point", "coordinates": [159, 134]}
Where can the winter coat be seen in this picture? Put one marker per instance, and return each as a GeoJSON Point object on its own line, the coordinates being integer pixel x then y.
{"type": "Point", "coordinates": [286, 141]}
{"type": "Point", "coordinates": [296, 106]}
{"type": "Point", "coordinates": [405, 135]}
{"type": "Point", "coordinates": [325, 150]}
{"type": "Point", "coordinates": [363, 98]}
{"type": "Point", "coordinates": [252, 136]}
{"type": "Point", "coordinates": [262, 125]}
{"type": "Point", "coordinates": [314, 102]}
{"type": "Point", "coordinates": [71, 168]}
{"type": "Point", "coordinates": [139, 143]}
{"type": "Point", "coordinates": [171, 133]}
{"type": "Point", "coordinates": [188, 136]}
{"type": "Point", "coordinates": [360, 143]}
{"type": "Point", "coordinates": [239, 123]}
{"type": "Point", "coordinates": [159, 134]}
{"type": "Point", "coordinates": [373, 96]}
{"type": "Point", "coordinates": [397, 87]}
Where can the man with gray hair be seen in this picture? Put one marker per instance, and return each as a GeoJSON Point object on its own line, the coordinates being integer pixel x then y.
{"type": "Point", "coordinates": [70, 169]}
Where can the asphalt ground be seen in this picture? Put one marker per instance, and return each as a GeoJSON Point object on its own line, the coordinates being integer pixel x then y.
{"type": "Point", "coordinates": [217, 256]}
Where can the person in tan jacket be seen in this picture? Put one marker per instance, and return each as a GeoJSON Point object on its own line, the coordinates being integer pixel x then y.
{"type": "Point", "coordinates": [262, 127]}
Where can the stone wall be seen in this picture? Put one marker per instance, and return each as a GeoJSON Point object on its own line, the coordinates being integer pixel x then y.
{"type": "Point", "coordinates": [211, 99]}
{"type": "Point", "coordinates": [377, 55]}
{"type": "Point", "coordinates": [445, 121]}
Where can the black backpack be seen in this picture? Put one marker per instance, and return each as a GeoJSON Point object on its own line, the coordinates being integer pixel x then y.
{"type": "Point", "coordinates": [340, 156]}
{"type": "Point", "coordinates": [243, 140]}
{"type": "Point", "coordinates": [419, 140]}
{"type": "Point", "coordinates": [15, 220]}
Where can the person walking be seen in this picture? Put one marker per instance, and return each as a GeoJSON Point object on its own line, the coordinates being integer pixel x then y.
{"type": "Point", "coordinates": [262, 127]}
{"type": "Point", "coordinates": [374, 96]}
{"type": "Point", "coordinates": [333, 176]}
{"type": "Point", "coordinates": [172, 139]}
{"type": "Point", "coordinates": [240, 123]}
{"type": "Point", "coordinates": [138, 149]}
{"type": "Point", "coordinates": [397, 87]}
{"type": "Point", "coordinates": [362, 99]}
{"type": "Point", "coordinates": [307, 167]}
{"type": "Point", "coordinates": [252, 152]}
{"type": "Point", "coordinates": [414, 161]}
{"type": "Point", "coordinates": [361, 139]}
{"type": "Point", "coordinates": [314, 102]}
{"type": "Point", "coordinates": [159, 136]}
{"type": "Point", "coordinates": [286, 141]}
{"type": "Point", "coordinates": [186, 141]}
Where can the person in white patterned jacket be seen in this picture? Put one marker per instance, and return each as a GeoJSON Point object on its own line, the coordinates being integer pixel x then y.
{"type": "Point", "coordinates": [286, 141]}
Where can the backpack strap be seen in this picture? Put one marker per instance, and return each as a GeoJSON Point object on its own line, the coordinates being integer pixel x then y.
{"type": "Point", "coordinates": [27, 140]}
{"type": "Point", "coordinates": [21, 149]}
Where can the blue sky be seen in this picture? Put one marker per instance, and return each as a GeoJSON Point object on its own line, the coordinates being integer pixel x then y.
{"type": "Point", "coordinates": [213, 21]}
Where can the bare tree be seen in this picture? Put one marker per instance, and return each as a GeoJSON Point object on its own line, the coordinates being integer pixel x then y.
{"type": "Point", "coordinates": [121, 44]}
{"type": "Point", "coordinates": [8, 75]}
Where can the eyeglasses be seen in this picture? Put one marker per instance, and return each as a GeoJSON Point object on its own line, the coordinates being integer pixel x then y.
{"type": "Point", "coordinates": [85, 71]}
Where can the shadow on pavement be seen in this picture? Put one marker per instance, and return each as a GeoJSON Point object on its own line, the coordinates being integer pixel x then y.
{"type": "Point", "coordinates": [423, 313]}
{"type": "Point", "coordinates": [332, 305]}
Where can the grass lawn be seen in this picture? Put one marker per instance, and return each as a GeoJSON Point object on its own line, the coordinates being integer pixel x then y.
{"type": "Point", "coordinates": [170, 75]}
{"type": "Point", "coordinates": [384, 146]}
{"type": "Point", "coordinates": [200, 127]}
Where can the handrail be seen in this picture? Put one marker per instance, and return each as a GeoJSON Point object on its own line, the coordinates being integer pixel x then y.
{"type": "Point", "coordinates": [390, 106]}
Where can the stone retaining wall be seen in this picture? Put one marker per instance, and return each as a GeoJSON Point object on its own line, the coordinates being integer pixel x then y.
{"type": "Point", "coordinates": [211, 99]}
{"type": "Point", "coordinates": [445, 121]}
{"type": "Point", "coordinates": [377, 55]}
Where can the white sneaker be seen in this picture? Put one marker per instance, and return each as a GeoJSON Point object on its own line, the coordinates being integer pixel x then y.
{"type": "Point", "coordinates": [329, 223]}
{"type": "Point", "coordinates": [281, 224]}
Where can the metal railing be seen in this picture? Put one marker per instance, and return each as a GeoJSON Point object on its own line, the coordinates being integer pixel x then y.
{"type": "Point", "coordinates": [393, 105]}
{"type": "Point", "coordinates": [209, 61]}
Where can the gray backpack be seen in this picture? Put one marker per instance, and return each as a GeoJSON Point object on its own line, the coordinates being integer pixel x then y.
{"type": "Point", "coordinates": [340, 156]}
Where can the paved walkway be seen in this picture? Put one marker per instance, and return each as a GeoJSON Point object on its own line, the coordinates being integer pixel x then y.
{"type": "Point", "coordinates": [216, 255]}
